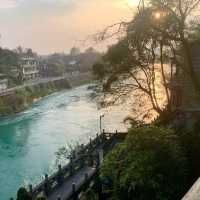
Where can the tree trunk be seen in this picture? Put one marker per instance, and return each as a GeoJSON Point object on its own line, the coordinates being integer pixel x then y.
{"type": "Point", "coordinates": [163, 75]}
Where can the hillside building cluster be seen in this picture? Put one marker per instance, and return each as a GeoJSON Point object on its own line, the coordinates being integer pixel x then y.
{"type": "Point", "coordinates": [32, 67]}
{"type": "Point", "coordinates": [3, 83]}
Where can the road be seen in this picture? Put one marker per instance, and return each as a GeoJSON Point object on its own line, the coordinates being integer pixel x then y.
{"type": "Point", "coordinates": [73, 80]}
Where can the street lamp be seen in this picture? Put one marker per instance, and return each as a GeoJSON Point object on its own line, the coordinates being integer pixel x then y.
{"type": "Point", "coordinates": [100, 122]}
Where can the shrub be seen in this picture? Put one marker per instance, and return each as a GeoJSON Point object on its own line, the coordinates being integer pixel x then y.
{"type": "Point", "coordinates": [22, 194]}
{"type": "Point", "coordinates": [191, 143]}
{"type": "Point", "coordinates": [150, 164]}
{"type": "Point", "coordinates": [41, 198]}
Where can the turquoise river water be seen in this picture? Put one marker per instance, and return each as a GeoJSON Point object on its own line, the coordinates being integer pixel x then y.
{"type": "Point", "coordinates": [29, 141]}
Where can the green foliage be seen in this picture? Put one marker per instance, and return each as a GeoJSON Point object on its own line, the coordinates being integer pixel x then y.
{"type": "Point", "coordinates": [11, 104]}
{"type": "Point", "coordinates": [191, 143]}
{"type": "Point", "coordinates": [90, 195]}
{"type": "Point", "coordinates": [41, 198]}
{"type": "Point", "coordinates": [118, 53]}
{"type": "Point", "coordinates": [18, 101]}
{"type": "Point", "coordinates": [22, 194]}
{"type": "Point", "coordinates": [150, 164]}
{"type": "Point", "coordinates": [8, 59]}
{"type": "Point", "coordinates": [57, 69]}
{"type": "Point", "coordinates": [99, 70]}
{"type": "Point", "coordinates": [5, 110]}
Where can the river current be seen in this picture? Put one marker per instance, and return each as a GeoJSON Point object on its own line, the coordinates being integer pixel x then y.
{"type": "Point", "coordinates": [29, 140]}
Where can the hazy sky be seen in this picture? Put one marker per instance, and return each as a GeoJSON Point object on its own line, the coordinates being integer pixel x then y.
{"type": "Point", "coordinates": [49, 26]}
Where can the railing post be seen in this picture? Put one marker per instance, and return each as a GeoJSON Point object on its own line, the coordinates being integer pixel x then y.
{"type": "Point", "coordinates": [11, 198]}
{"type": "Point", "coordinates": [104, 136]}
{"type": "Point", "coordinates": [73, 154]}
{"type": "Point", "coordinates": [58, 198]}
{"type": "Point", "coordinates": [86, 177]}
{"type": "Point", "coordinates": [60, 175]}
{"type": "Point", "coordinates": [30, 189]}
{"type": "Point", "coordinates": [46, 177]}
{"type": "Point", "coordinates": [81, 162]}
{"type": "Point", "coordinates": [73, 188]}
{"type": "Point", "coordinates": [74, 196]}
{"type": "Point", "coordinates": [71, 170]}
{"type": "Point", "coordinates": [90, 145]}
{"type": "Point", "coordinates": [46, 185]}
{"type": "Point", "coordinates": [82, 148]}
{"type": "Point", "coordinates": [97, 138]}
{"type": "Point", "coordinates": [97, 160]}
{"type": "Point", "coordinates": [90, 161]}
{"type": "Point", "coordinates": [59, 168]}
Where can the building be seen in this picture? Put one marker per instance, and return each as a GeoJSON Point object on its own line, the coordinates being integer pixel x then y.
{"type": "Point", "coordinates": [29, 68]}
{"type": "Point", "coordinates": [3, 83]}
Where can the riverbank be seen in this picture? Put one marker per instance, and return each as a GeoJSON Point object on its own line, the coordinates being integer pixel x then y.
{"type": "Point", "coordinates": [22, 98]}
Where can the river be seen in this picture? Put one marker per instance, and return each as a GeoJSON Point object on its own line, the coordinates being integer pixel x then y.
{"type": "Point", "coordinates": [29, 140]}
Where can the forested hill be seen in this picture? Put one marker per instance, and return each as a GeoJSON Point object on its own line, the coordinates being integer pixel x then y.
{"type": "Point", "coordinates": [8, 59]}
{"type": "Point", "coordinates": [79, 61]}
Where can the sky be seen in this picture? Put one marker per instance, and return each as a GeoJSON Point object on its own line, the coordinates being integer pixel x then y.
{"type": "Point", "coordinates": [49, 26]}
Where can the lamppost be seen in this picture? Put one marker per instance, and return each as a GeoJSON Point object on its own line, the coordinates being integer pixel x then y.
{"type": "Point", "coordinates": [100, 122]}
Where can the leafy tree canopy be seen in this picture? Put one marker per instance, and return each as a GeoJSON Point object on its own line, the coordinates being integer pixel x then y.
{"type": "Point", "coordinates": [150, 164]}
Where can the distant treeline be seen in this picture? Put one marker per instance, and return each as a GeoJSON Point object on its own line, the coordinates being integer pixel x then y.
{"type": "Point", "coordinates": [51, 65]}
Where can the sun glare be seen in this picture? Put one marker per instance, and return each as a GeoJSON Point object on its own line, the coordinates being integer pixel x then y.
{"type": "Point", "coordinates": [157, 15]}
{"type": "Point", "coordinates": [132, 2]}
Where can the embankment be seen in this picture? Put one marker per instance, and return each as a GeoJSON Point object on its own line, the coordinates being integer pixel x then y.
{"type": "Point", "coordinates": [20, 99]}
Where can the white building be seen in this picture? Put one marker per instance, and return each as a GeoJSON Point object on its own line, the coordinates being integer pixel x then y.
{"type": "Point", "coordinates": [3, 85]}
{"type": "Point", "coordinates": [29, 68]}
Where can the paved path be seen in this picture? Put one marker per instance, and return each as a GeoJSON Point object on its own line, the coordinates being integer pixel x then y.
{"type": "Point", "coordinates": [66, 190]}
{"type": "Point", "coordinates": [79, 179]}
{"type": "Point", "coordinates": [37, 82]}
{"type": "Point", "coordinates": [30, 83]}
{"type": "Point", "coordinates": [73, 81]}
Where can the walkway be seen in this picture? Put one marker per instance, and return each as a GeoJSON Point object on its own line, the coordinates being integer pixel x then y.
{"type": "Point", "coordinates": [68, 182]}
{"type": "Point", "coordinates": [73, 81]}
{"type": "Point", "coordinates": [73, 184]}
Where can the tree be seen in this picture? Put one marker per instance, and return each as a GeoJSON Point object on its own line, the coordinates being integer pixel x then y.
{"type": "Point", "coordinates": [29, 52]}
{"type": "Point", "coordinates": [75, 51]}
{"type": "Point", "coordinates": [182, 14]}
{"type": "Point", "coordinates": [56, 69]}
{"type": "Point", "coordinates": [158, 35]}
{"type": "Point", "coordinates": [150, 164]}
{"type": "Point", "coordinates": [99, 70]}
{"type": "Point", "coordinates": [22, 194]}
{"type": "Point", "coordinates": [19, 50]}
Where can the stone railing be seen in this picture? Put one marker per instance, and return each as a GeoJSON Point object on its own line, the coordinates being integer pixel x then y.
{"type": "Point", "coordinates": [85, 155]}
{"type": "Point", "coordinates": [194, 192]}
